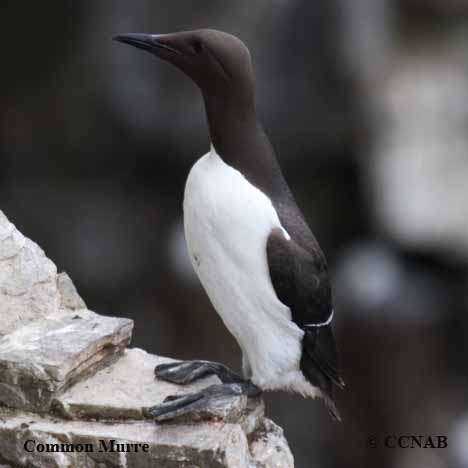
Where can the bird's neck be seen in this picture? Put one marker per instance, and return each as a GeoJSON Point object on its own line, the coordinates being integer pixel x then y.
{"type": "Point", "coordinates": [232, 124]}
{"type": "Point", "coordinates": [239, 139]}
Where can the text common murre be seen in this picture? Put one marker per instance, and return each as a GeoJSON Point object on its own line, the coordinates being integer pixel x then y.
{"type": "Point", "coordinates": [108, 446]}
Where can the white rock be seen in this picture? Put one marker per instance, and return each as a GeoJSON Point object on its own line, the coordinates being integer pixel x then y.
{"type": "Point", "coordinates": [204, 445]}
{"type": "Point", "coordinates": [69, 297]}
{"type": "Point", "coordinates": [70, 365]}
{"type": "Point", "coordinates": [269, 447]}
{"type": "Point", "coordinates": [123, 390]}
{"type": "Point", "coordinates": [41, 359]}
{"type": "Point", "coordinates": [29, 284]}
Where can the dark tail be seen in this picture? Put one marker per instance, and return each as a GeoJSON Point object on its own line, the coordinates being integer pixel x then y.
{"type": "Point", "coordinates": [319, 364]}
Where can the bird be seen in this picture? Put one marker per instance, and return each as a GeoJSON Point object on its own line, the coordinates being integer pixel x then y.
{"type": "Point", "coordinates": [249, 243]}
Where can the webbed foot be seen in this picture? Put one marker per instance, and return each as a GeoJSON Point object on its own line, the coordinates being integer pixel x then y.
{"type": "Point", "coordinates": [185, 372]}
{"type": "Point", "coordinates": [200, 402]}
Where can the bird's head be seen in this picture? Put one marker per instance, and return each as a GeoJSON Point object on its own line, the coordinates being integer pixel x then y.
{"type": "Point", "coordinates": [219, 63]}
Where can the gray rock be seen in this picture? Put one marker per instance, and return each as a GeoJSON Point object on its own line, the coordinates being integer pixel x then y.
{"type": "Point", "coordinates": [123, 390]}
{"type": "Point", "coordinates": [48, 340]}
{"type": "Point", "coordinates": [204, 445]}
{"type": "Point", "coordinates": [40, 360]}
{"type": "Point", "coordinates": [30, 288]}
{"type": "Point", "coordinates": [112, 393]}
{"type": "Point", "coordinates": [69, 297]}
{"type": "Point", "coordinates": [269, 447]}
{"type": "Point", "coordinates": [68, 383]}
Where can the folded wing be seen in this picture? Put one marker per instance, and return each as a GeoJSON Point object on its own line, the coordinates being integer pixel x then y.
{"type": "Point", "coordinates": [301, 282]}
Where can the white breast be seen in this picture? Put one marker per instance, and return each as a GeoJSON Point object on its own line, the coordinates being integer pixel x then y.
{"type": "Point", "coordinates": [227, 223]}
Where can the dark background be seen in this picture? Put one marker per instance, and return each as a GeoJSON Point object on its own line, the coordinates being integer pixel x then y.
{"type": "Point", "coordinates": [366, 103]}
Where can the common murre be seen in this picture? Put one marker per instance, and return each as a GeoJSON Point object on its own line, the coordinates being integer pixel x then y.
{"type": "Point", "coordinates": [255, 255]}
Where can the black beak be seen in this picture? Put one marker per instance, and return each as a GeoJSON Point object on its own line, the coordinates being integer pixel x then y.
{"type": "Point", "coordinates": [155, 43]}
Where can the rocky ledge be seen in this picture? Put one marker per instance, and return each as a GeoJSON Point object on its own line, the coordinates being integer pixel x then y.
{"type": "Point", "coordinates": [73, 395]}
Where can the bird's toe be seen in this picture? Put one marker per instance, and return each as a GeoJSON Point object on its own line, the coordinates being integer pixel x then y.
{"type": "Point", "coordinates": [174, 406]}
{"type": "Point", "coordinates": [182, 373]}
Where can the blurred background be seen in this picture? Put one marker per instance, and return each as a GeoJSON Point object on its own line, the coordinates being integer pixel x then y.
{"type": "Point", "coordinates": [366, 103]}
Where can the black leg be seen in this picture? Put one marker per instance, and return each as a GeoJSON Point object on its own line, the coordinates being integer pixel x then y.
{"type": "Point", "coordinates": [174, 406]}
{"type": "Point", "coordinates": [186, 372]}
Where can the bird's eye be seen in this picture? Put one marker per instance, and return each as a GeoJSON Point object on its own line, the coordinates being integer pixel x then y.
{"type": "Point", "coordinates": [197, 46]}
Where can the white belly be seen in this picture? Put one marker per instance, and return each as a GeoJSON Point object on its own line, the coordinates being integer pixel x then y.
{"type": "Point", "coordinates": [227, 223]}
